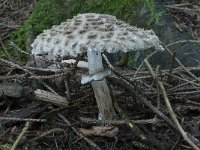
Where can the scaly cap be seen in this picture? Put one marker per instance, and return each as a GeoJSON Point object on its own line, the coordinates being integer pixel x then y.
{"type": "Point", "coordinates": [99, 32]}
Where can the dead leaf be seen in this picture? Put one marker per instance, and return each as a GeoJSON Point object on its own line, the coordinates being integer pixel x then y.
{"type": "Point", "coordinates": [195, 131]}
{"type": "Point", "coordinates": [13, 129]}
{"type": "Point", "coordinates": [105, 131]}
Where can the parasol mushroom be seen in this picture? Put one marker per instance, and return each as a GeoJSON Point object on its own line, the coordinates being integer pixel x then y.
{"type": "Point", "coordinates": [95, 33]}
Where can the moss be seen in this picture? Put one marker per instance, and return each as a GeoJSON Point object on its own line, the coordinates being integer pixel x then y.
{"type": "Point", "coordinates": [51, 12]}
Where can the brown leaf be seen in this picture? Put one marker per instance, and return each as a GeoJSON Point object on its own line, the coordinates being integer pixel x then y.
{"type": "Point", "coordinates": [192, 108]}
{"type": "Point", "coordinates": [195, 131]}
{"type": "Point", "coordinates": [13, 129]}
{"type": "Point", "coordinates": [105, 131]}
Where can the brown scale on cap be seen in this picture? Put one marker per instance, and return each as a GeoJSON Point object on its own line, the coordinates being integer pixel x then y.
{"type": "Point", "coordinates": [70, 36]}
{"type": "Point", "coordinates": [78, 20]}
{"type": "Point", "coordinates": [66, 43]}
{"type": "Point", "coordinates": [68, 31]}
{"type": "Point", "coordinates": [74, 45]}
{"type": "Point", "coordinates": [83, 31]}
{"type": "Point", "coordinates": [125, 33]}
{"type": "Point", "coordinates": [89, 16]}
{"type": "Point", "coordinates": [52, 34]}
{"type": "Point", "coordinates": [77, 23]}
{"type": "Point", "coordinates": [49, 40]}
{"type": "Point", "coordinates": [92, 19]}
{"type": "Point", "coordinates": [59, 51]}
{"type": "Point", "coordinates": [56, 41]}
{"type": "Point", "coordinates": [109, 34]}
{"type": "Point", "coordinates": [122, 38]}
{"type": "Point", "coordinates": [119, 22]}
{"type": "Point", "coordinates": [92, 35]}
{"type": "Point", "coordinates": [99, 22]}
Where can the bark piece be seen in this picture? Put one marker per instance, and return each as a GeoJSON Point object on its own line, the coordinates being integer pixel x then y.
{"type": "Point", "coordinates": [50, 97]}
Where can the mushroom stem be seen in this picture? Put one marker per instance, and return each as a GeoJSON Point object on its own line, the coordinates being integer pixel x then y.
{"type": "Point", "coordinates": [100, 88]}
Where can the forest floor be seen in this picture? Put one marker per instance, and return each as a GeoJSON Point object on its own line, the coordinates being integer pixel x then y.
{"type": "Point", "coordinates": [37, 119]}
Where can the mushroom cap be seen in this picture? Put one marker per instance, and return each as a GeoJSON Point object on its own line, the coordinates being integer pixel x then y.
{"type": "Point", "coordinates": [98, 32]}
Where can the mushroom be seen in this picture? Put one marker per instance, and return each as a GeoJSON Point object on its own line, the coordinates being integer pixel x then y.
{"type": "Point", "coordinates": [95, 33]}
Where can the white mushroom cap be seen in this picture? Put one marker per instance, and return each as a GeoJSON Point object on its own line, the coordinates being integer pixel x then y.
{"type": "Point", "coordinates": [99, 32]}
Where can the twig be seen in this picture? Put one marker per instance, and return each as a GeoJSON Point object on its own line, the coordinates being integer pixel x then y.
{"type": "Point", "coordinates": [16, 76]}
{"type": "Point", "coordinates": [47, 77]}
{"type": "Point", "coordinates": [182, 4]}
{"type": "Point", "coordinates": [54, 111]}
{"type": "Point", "coordinates": [188, 81]}
{"type": "Point", "coordinates": [182, 9]}
{"type": "Point", "coordinates": [174, 147]}
{"type": "Point", "coordinates": [5, 51]}
{"type": "Point", "coordinates": [26, 127]}
{"type": "Point", "coordinates": [5, 2]}
{"type": "Point", "coordinates": [143, 136]}
{"type": "Point", "coordinates": [143, 63]}
{"type": "Point", "coordinates": [67, 86]}
{"type": "Point", "coordinates": [113, 69]}
{"type": "Point", "coordinates": [178, 61]}
{"type": "Point", "coordinates": [141, 145]}
{"type": "Point", "coordinates": [43, 69]}
{"type": "Point", "coordinates": [193, 103]}
{"type": "Point", "coordinates": [91, 143]}
{"type": "Point", "coordinates": [22, 119]}
{"type": "Point", "coordinates": [172, 114]}
{"type": "Point", "coordinates": [135, 128]}
{"type": "Point", "coordinates": [128, 86]}
{"type": "Point", "coordinates": [182, 41]}
{"type": "Point", "coordinates": [16, 65]}
{"type": "Point", "coordinates": [75, 65]}
{"type": "Point", "coordinates": [185, 93]}
{"type": "Point", "coordinates": [18, 49]}
{"type": "Point", "coordinates": [175, 70]}
{"type": "Point", "coordinates": [172, 66]}
{"type": "Point", "coordinates": [117, 122]}
{"type": "Point", "coordinates": [56, 130]}
{"type": "Point", "coordinates": [56, 143]}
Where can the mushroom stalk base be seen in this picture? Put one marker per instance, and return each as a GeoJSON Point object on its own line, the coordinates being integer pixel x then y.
{"type": "Point", "coordinates": [100, 88]}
